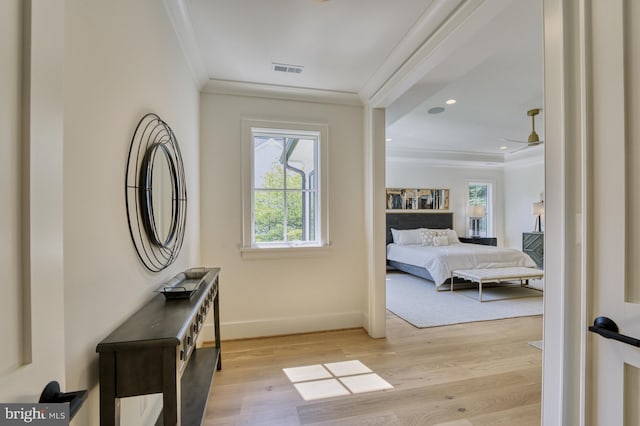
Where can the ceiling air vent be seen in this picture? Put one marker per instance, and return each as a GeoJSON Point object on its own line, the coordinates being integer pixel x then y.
{"type": "Point", "coordinates": [293, 69]}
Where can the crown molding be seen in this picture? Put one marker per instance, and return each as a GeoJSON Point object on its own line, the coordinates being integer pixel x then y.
{"type": "Point", "coordinates": [444, 158]}
{"type": "Point", "coordinates": [272, 91]}
{"type": "Point", "coordinates": [181, 22]}
{"type": "Point", "coordinates": [178, 14]}
{"type": "Point", "coordinates": [527, 157]}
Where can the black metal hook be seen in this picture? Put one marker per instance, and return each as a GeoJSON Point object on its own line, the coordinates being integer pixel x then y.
{"type": "Point", "coordinates": [606, 327]}
{"type": "Point", "coordinates": [51, 394]}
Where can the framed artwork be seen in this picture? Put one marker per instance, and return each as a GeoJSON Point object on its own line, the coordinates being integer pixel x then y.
{"type": "Point", "coordinates": [417, 199]}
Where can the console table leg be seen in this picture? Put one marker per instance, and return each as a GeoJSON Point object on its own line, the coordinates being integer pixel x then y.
{"type": "Point", "coordinates": [171, 398]}
{"type": "Point", "coordinates": [216, 327]}
{"type": "Point", "coordinates": [109, 403]}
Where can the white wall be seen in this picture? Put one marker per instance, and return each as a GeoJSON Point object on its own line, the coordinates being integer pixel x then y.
{"type": "Point", "coordinates": [523, 185]}
{"type": "Point", "coordinates": [289, 295]}
{"type": "Point", "coordinates": [122, 61]}
{"type": "Point", "coordinates": [31, 215]}
{"type": "Point", "coordinates": [414, 174]}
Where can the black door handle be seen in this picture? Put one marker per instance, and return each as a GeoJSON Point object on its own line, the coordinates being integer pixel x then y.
{"type": "Point", "coordinates": [606, 327]}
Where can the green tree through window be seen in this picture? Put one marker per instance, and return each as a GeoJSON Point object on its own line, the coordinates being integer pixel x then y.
{"type": "Point", "coordinates": [478, 195]}
{"type": "Point", "coordinates": [269, 211]}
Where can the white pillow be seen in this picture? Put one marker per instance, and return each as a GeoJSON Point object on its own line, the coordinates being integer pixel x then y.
{"type": "Point", "coordinates": [407, 236]}
{"type": "Point", "coordinates": [440, 241]}
{"type": "Point", "coordinates": [453, 237]}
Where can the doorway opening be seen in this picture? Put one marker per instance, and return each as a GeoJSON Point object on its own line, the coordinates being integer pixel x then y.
{"type": "Point", "coordinates": [464, 128]}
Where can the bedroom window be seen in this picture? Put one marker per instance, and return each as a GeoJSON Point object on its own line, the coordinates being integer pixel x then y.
{"type": "Point", "coordinates": [284, 192]}
{"type": "Point", "coordinates": [480, 194]}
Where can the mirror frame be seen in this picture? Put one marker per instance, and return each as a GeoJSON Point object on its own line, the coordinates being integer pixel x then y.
{"type": "Point", "coordinates": [151, 137]}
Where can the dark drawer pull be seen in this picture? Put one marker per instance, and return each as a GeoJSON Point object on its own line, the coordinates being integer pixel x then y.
{"type": "Point", "coordinates": [606, 327]}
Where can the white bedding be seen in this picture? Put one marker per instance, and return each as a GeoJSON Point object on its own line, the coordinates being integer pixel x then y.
{"type": "Point", "coordinates": [440, 261]}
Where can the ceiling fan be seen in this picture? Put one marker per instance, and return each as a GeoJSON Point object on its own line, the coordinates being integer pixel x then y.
{"type": "Point", "coordinates": [533, 139]}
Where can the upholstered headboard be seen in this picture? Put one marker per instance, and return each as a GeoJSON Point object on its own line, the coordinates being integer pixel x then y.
{"type": "Point", "coordinates": [411, 220]}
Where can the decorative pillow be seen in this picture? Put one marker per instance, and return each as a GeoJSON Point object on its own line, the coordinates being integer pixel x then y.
{"type": "Point", "coordinates": [428, 236]}
{"type": "Point", "coordinates": [440, 241]}
{"type": "Point", "coordinates": [407, 236]}
{"type": "Point", "coordinates": [453, 236]}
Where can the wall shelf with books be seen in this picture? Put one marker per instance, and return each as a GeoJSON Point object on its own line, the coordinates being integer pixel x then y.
{"type": "Point", "coordinates": [417, 199]}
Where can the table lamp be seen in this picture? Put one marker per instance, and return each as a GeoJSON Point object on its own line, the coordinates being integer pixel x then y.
{"type": "Point", "coordinates": [537, 209]}
{"type": "Point", "coordinates": [475, 212]}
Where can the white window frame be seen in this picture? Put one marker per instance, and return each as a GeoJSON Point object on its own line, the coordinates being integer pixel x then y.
{"type": "Point", "coordinates": [490, 210]}
{"type": "Point", "coordinates": [251, 250]}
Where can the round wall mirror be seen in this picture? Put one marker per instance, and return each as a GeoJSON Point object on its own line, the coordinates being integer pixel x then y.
{"type": "Point", "coordinates": [156, 193]}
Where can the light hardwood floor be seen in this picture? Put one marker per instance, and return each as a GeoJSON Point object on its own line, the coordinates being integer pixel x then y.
{"type": "Point", "coordinates": [481, 374]}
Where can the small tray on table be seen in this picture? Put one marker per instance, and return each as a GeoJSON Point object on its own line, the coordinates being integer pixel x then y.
{"type": "Point", "coordinates": [184, 285]}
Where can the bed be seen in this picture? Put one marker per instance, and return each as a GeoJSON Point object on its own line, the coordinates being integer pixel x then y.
{"type": "Point", "coordinates": [406, 252]}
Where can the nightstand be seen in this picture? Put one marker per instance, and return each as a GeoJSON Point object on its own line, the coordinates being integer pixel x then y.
{"type": "Point", "coordinates": [533, 245]}
{"type": "Point", "coordinates": [485, 241]}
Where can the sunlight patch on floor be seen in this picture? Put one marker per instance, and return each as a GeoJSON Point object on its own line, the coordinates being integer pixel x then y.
{"type": "Point", "coordinates": [334, 379]}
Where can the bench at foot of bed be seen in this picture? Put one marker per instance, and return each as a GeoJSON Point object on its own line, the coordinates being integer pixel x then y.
{"type": "Point", "coordinates": [496, 275]}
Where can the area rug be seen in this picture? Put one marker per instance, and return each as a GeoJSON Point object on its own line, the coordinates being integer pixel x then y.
{"type": "Point", "coordinates": [416, 301]}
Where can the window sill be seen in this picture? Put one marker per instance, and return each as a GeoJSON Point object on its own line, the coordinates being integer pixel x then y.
{"type": "Point", "coordinates": [252, 253]}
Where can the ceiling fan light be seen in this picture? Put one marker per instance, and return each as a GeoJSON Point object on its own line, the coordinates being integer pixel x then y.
{"type": "Point", "coordinates": [534, 139]}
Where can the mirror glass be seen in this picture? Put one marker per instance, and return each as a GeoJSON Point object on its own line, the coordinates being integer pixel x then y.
{"type": "Point", "coordinates": [161, 189]}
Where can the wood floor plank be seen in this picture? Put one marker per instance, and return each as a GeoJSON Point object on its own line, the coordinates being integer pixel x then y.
{"type": "Point", "coordinates": [376, 419]}
{"type": "Point", "coordinates": [528, 415]}
{"type": "Point", "coordinates": [475, 374]}
{"type": "Point", "coordinates": [449, 396]}
{"type": "Point", "coordinates": [463, 422]}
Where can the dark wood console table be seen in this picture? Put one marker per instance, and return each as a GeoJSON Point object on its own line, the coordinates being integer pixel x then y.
{"type": "Point", "coordinates": [154, 351]}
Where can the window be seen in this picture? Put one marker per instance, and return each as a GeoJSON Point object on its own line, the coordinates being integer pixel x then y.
{"type": "Point", "coordinates": [480, 194]}
{"type": "Point", "coordinates": [285, 185]}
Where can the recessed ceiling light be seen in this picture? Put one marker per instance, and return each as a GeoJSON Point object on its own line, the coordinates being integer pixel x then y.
{"type": "Point", "coordinates": [504, 147]}
{"type": "Point", "coordinates": [451, 102]}
{"type": "Point", "coordinates": [435, 110]}
{"type": "Point", "coordinates": [388, 140]}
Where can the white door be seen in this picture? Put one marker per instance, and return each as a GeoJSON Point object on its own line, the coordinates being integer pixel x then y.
{"type": "Point", "coordinates": [612, 209]}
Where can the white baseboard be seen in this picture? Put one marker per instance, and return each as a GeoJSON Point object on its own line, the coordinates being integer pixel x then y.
{"type": "Point", "coordinates": [280, 326]}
